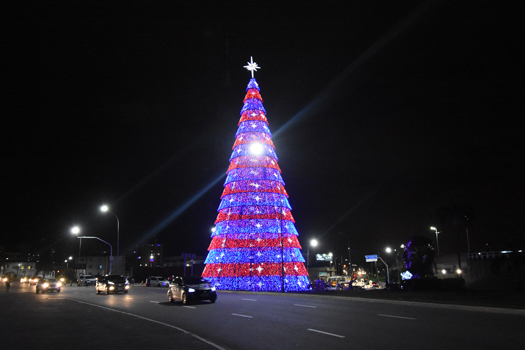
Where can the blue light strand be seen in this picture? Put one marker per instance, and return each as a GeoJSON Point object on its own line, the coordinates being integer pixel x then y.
{"type": "Point", "coordinates": [257, 198]}
{"type": "Point", "coordinates": [254, 255]}
{"type": "Point", "coordinates": [242, 174]}
{"type": "Point", "coordinates": [254, 226]}
{"type": "Point", "coordinates": [253, 126]}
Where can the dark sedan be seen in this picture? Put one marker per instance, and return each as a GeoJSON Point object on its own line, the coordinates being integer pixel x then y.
{"type": "Point", "coordinates": [187, 289]}
{"type": "Point", "coordinates": [112, 284]}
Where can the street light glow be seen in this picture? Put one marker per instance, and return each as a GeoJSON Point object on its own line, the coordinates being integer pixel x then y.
{"type": "Point", "coordinates": [388, 250]}
{"type": "Point", "coordinates": [314, 243]}
{"type": "Point", "coordinates": [75, 230]}
{"type": "Point", "coordinates": [256, 148]}
{"type": "Point", "coordinates": [104, 208]}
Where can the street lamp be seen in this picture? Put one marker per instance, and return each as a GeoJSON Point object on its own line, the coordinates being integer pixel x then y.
{"type": "Point", "coordinates": [110, 251]}
{"type": "Point", "coordinates": [389, 250]}
{"type": "Point", "coordinates": [437, 240]}
{"type": "Point", "coordinates": [105, 209]}
{"type": "Point", "coordinates": [313, 243]}
{"type": "Point", "coordinates": [76, 230]}
{"type": "Point", "coordinates": [350, 269]}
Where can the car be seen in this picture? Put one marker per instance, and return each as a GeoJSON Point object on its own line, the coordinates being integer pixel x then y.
{"type": "Point", "coordinates": [188, 289]}
{"type": "Point", "coordinates": [47, 285]}
{"type": "Point", "coordinates": [86, 280]}
{"type": "Point", "coordinates": [34, 280]}
{"type": "Point", "coordinates": [158, 281]}
{"type": "Point", "coordinates": [24, 279]}
{"type": "Point", "coordinates": [112, 284]}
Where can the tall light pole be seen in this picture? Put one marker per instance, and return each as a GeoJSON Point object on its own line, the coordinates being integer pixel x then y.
{"type": "Point", "coordinates": [350, 270]}
{"type": "Point", "coordinates": [437, 240]}
{"type": "Point", "coordinates": [389, 250]}
{"type": "Point", "coordinates": [313, 243]}
{"type": "Point", "coordinates": [105, 209]}
{"type": "Point", "coordinates": [110, 252]}
{"type": "Point", "coordinates": [76, 230]}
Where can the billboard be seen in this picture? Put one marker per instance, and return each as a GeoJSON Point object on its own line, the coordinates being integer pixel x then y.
{"type": "Point", "coordinates": [324, 257]}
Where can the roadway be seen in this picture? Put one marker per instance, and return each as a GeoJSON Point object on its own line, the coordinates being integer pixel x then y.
{"type": "Point", "coordinates": [143, 318]}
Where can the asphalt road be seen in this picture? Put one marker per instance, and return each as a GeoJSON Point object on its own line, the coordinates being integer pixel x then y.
{"type": "Point", "coordinates": [78, 318]}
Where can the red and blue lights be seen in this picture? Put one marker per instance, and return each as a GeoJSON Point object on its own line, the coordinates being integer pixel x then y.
{"type": "Point", "coordinates": [254, 245]}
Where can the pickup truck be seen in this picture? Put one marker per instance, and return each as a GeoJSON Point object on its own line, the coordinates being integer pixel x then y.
{"type": "Point", "coordinates": [86, 280]}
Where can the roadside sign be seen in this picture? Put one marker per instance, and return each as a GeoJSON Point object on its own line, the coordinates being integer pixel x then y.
{"type": "Point", "coordinates": [371, 258]}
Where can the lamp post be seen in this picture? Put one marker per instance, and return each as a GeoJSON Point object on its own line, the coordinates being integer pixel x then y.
{"type": "Point", "coordinates": [389, 250]}
{"type": "Point", "coordinates": [313, 243]}
{"type": "Point", "coordinates": [105, 209]}
{"type": "Point", "coordinates": [350, 270]}
{"type": "Point", "coordinates": [110, 251]}
{"type": "Point", "coordinates": [437, 240]}
{"type": "Point", "coordinates": [76, 230]}
{"type": "Point", "coordinates": [387, 272]}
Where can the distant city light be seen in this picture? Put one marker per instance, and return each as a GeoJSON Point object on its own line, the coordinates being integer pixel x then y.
{"type": "Point", "coordinates": [458, 271]}
{"type": "Point", "coordinates": [444, 271]}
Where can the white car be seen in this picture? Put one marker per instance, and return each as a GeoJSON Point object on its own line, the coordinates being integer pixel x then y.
{"type": "Point", "coordinates": [158, 281]}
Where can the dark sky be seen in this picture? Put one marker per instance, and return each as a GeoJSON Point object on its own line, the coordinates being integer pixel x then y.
{"type": "Point", "coordinates": [383, 112]}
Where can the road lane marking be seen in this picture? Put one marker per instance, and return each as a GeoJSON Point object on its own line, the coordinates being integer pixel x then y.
{"type": "Point", "coordinates": [301, 305]}
{"type": "Point", "coordinates": [242, 315]}
{"type": "Point", "coordinates": [156, 302]}
{"type": "Point", "coordinates": [250, 299]}
{"type": "Point", "coordinates": [190, 307]}
{"type": "Point", "coordinates": [332, 334]}
{"type": "Point", "coordinates": [154, 321]}
{"type": "Point", "coordinates": [401, 317]}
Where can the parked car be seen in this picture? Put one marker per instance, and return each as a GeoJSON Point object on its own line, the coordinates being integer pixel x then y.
{"type": "Point", "coordinates": [48, 285]}
{"type": "Point", "coordinates": [112, 284]}
{"type": "Point", "coordinates": [158, 281]}
{"type": "Point", "coordinates": [187, 289]}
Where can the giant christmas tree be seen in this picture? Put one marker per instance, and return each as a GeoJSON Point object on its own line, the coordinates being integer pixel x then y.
{"type": "Point", "coordinates": [254, 245]}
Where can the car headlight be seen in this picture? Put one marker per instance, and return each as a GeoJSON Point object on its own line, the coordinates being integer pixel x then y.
{"type": "Point", "coordinates": [111, 287]}
{"type": "Point", "coordinates": [59, 284]}
{"type": "Point", "coordinates": [45, 285]}
{"type": "Point", "coordinates": [191, 290]}
{"type": "Point", "coordinates": [126, 287]}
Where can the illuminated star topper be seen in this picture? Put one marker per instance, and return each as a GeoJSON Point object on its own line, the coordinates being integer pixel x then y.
{"type": "Point", "coordinates": [252, 66]}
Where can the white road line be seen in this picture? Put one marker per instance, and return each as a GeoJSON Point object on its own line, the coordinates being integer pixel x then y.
{"type": "Point", "coordinates": [154, 321]}
{"type": "Point", "coordinates": [242, 315]}
{"type": "Point", "coordinates": [332, 334]}
{"type": "Point", "coordinates": [156, 302]}
{"type": "Point", "coordinates": [313, 307]}
{"type": "Point", "coordinates": [404, 318]}
{"type": "Point", "coordinates": [189, 307]}
{"type": "Point", "coordinates": [250, 299]}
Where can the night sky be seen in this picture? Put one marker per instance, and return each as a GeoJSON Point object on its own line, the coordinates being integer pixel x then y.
{"type": "Point", "coordinates": [382, 113]}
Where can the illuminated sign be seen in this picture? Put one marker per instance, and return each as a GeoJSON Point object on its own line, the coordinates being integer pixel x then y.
{"type": "Point", "coordinates": [324, 257]}
{"type": "Point", "coordinates": [371, 258]}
